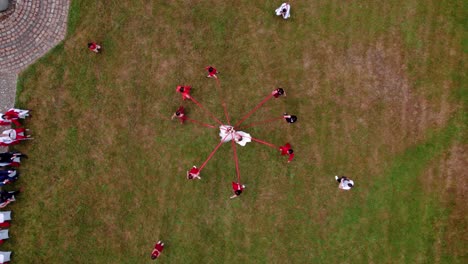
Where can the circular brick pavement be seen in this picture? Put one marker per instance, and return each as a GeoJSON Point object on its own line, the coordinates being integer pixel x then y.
{"type": "Point", "coordinates": [29, 30]}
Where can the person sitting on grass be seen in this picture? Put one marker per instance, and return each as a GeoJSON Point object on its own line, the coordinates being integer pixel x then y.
{"type": "Point", "coordinates": [237, 188]}
{"type": "Point", "coordinates": [289, 118]}
{"type": "Point", "coordinates": [12, 116]}
{"type": "Point", "coordinates": [193, 173]}
{"type": "Point", "coordinates": [94, 47]}
{"type": "Point", "coordinates": [5, 218]}
{"type": "Point", "coordinates": [7, 197]}
{"type": "Point", "coordinates": [9, 157]}
{"type": "Point", "coordinates": [287, 150]}
{"type": "Point", "coordinates": [185, 91]}
{"type": "Point", "coordinates": [13, 136]}
{"type": "Point", "coordinates": [5, 257]}
{"type": "Point", "coordinates": [212, 72]}
{"type": "Point", "coordinates": [3, 236]}
{"type": "Point", "coordinates": [158, 248]}
{"type": "Point", "coordinates": [8, 176]}
{"type": "Point", "coordinates": [278, 92]}
{"type": "Point", "coordinates": [344, 183]}
{"type": "Point", "coordinates": [180, 114]}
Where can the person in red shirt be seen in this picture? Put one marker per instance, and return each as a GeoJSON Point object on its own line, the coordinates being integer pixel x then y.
{"type": "Point", "coordinates": [180, 113]}
{"type": "Point", "coordinates": [193, 173]}
{"type": "Point", "coordinates": [278, 92]}
{"type": "Point", "coordinates": [287, 150]}
{"type": "Point", "coordinates": [12, 115]}
{"type": "Point", "coordinates": [13, 136]}
{"type": "Point", "coordinates": [184, 90]}
{"type": "Point", "coordinates": [94, 47]}
{"type": "Point", "coordinates": [158, 248]}
{"type": "Point", "coordinates": [211, 72]}
{"type": "Point", "coordinates": [5, 120]}
{"type": "Point", "coordinates": [237, 188]}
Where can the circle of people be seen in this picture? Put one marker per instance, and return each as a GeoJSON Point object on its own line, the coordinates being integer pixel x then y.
{"type": "Point", "coordinates": [227, 133]}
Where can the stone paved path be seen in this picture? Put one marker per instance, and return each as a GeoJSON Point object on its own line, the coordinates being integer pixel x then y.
{"type": "Point", "coordinates": [28, 30]}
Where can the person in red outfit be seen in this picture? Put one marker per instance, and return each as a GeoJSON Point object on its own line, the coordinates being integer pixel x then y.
{"type": "Point", "coordinates": [13, 136]}
{"type": "Point", "coordinates": [184, 90]}
{"type": "Point", "coordinates": [278, 92]}
{"type": "Point", "coordinates": [6, 121]}
{"type": "Point", "coordinates": [237, 188]}
{"type": "Point", "coordinates": [12, 116]}
{"type": "Point", "coordinates": [180, 113]}
{"type": "Point", "coordinates": [94, 47]}
{"type": "Point", "coordinates": [212, 72]}
{"type": "Point", "coordinates": [158, 248]}
{"type": "Point", "coordinates": [287, 150]}
{"type": "Point", "coordinates": [193, 173]}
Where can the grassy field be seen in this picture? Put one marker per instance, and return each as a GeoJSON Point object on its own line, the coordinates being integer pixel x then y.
{"type": "Point", "coordinates": [380, 92]}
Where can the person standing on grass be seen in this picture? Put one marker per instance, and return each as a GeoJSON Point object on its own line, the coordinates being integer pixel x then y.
{"type": "Point", "coordinates": [193, 173]}
{"type": "Point", "coordinates": [158, 248]}
{"type": "Point", "coordinates": [278, 92]}
{"type": "Point", "coordinates": [237, 188]}
{"type": "Point", "coordinates": [212, 72]}
{"type": "Point", "coordinates": [289, 118]}
{"type": "Point", "coordinates": [180, 113]}
{"type": "Point", "coordinates": [344, 183]}
{"type": "Point", "coordinates": [185, 91]}
{"type": "Point", "coordinates": [287, 150]}
{"type": "Point", "coordinates": [94, 47]}
{"type": "Point", "coordinates": [284, 10]}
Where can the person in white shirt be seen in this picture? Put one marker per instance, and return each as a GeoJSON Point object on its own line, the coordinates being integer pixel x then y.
{"type": "Point", "coordinates": [344, 183]}
{"type": "Point", "coordinates": [5, 257]}
{"type": "Point", "coordinates": [284, 10]}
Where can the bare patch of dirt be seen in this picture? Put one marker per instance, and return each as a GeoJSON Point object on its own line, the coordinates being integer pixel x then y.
{"type": "Point", "coordinates": [372, 84]}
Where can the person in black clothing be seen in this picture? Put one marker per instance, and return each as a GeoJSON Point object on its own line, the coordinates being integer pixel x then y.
{"type": "Point", "coordinates": [8, 176]}
{"type": "Point", "coordinates": [289, 118]}
{"type": "Point", "coordinates": [10, 156]}
{"type": "Point", "coordinates": [6, 197]}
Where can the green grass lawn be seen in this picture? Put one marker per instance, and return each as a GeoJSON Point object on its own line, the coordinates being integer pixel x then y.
{"type": "Point", "coordinates": [380, 92]}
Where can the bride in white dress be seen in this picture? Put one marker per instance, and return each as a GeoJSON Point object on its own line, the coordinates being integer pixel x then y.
{"type": "Point", "coordinates": [227, 133]}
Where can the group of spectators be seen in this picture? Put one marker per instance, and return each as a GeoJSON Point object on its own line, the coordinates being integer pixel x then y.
{"type": "Point", "coordinates": [9, 163]}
